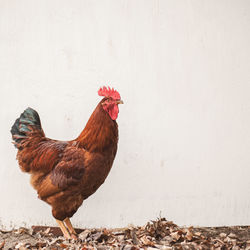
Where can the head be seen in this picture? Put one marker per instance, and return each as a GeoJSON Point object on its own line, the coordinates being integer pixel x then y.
{"type": "Point", "coordinates": [111, 101]}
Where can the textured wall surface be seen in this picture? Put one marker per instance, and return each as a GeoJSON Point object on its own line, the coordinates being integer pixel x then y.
{"type": "Point", "coordinates": [183, 71]}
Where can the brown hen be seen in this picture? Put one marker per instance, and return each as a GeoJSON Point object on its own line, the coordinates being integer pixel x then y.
{"type": "Point", "coordinates": [65, 173]}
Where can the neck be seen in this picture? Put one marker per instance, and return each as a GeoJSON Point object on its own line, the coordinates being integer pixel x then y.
{"type": "Point", "coordinates": [100, 133]}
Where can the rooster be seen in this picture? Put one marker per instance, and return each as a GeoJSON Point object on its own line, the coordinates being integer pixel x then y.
{"type": "Point", "coordinates": [65, 173]}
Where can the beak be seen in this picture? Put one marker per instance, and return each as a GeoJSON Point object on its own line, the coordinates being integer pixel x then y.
{"type": "Point", "coordinates": [119, 102]}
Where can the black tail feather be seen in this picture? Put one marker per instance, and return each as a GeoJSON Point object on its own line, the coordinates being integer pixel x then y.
{"type": "Point", "coordinates": [21, 126]}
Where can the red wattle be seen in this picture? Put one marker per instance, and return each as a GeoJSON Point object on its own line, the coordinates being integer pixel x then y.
{"type": "Point", "coordinates": [113, 112]}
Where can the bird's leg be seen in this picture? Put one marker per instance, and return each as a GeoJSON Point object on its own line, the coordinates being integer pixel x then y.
{"type": "Point", "coordinates": [64, 229]}
{"type": "Point", "coordinates": [70, 228]}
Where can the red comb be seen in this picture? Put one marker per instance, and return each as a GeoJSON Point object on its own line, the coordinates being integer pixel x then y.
{"type": "Point", "coordinates": [108, 92]}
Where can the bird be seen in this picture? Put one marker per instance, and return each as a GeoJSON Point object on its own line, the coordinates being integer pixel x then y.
{"type": "Point", "coordinates": [65, 173]}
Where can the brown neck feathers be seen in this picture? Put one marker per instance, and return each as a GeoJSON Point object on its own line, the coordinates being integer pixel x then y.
{"type": "Point", "coordinates": [100, 132]}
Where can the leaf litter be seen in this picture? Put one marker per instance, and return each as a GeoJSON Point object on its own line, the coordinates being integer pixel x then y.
{"type": "Point", "coordinates": [158, 234]}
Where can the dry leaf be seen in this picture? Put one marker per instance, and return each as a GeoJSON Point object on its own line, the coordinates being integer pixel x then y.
{"type": "Point", "coordinates": [189, 235]}
{"type": "Point", "coordinates": [83, 235]}
{"type": "Point", "coordinates": [232, 235]}
{"type": "Point", "coordinates": [63, 245]}
{"type": "Point", "coordinates": [197, 234]}
{"type": "Point", "coordinates": [176, 236]}
{"type": "Point", "coordinates": [223, 235]}
{"type": "Point", "coordinates": [145, 241]}
{"type": "Point", "coordinates": [47, 230]}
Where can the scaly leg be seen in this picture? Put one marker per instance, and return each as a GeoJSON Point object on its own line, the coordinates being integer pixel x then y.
{"type": "Point", "coordinates": [70, 228]}
{"type": "Point", "coordinates": [64, 229]}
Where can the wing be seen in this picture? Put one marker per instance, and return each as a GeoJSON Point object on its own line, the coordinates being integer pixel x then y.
{"type": "Point", "coordinates": [40, 154]}
{"type": "Point", "coordinates": [67, 173]}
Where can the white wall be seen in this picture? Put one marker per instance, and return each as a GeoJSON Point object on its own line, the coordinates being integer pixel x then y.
{"type": "Point", "coordinates": [183, 71]}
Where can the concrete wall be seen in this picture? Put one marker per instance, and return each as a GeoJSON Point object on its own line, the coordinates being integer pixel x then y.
{"type": "Point", "coordinates": [183, 71]}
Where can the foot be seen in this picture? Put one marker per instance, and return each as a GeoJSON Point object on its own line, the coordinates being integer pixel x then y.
{"type": "Point", "coordinates": [74, 236]}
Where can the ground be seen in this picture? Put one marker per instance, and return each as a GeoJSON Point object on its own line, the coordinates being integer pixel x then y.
{"type": "Point", "coordinates": [159, 234]}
